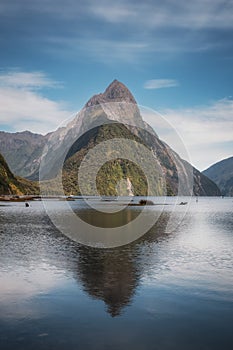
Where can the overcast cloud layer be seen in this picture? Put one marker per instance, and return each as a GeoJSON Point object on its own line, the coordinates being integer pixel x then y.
{"type": "Point", "coordinates": [119, 30]}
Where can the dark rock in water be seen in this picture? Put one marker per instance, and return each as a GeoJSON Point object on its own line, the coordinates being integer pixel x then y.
{"type": "Point", "coordinates": [142, 202]}
{"type": "Point", "coordinates": [183, 203]}
{"type": "Point", "coordinates": [26, 205]}
{"type": "Point", "coordinates": [146, 202]}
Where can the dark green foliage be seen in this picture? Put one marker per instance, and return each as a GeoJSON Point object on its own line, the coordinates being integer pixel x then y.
{"type": "Point", "coordinates": [110, 176]}
{"type": "Point", "coordinates": [10, 184]}
{"type": "Point", "coordinates": [5, 176]}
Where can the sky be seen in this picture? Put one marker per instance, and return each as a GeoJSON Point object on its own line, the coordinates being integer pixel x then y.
{"type": "Point", "coordinates": [176, 57]}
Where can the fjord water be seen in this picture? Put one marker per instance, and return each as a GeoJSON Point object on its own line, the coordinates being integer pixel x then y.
{"type": "Point", "coordinates": [167, 290]}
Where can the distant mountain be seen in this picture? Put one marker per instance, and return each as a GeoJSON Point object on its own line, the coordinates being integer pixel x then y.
{"type": "Point", "coordinates": [222, 174]}
{"type": "Point", "coordinates": [22, 151]}
{"type": "Point", "coordinates": [109, 115]}
{"type": "Point", "coordinates": [10, 184]}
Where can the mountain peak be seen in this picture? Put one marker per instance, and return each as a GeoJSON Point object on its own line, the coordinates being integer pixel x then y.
{"type": "Point", "coordinates": [115, 92]}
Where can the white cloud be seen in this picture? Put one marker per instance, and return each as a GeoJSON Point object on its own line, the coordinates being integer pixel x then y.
{"type": "Point", "coordinates": [206, 131]}
{"type": "Point", "coordinates": [114, 13]}
{"type": "Point", "coordinates": [22, 108]}
{"type": "Point", "coordinates": [27, 80]}
{"type": "Point", "coordinates": [160, 83]}
{"type": "Point", "coordinates": [182, 14]}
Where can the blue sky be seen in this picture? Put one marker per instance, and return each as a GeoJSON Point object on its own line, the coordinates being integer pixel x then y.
{"type": "Point", "coordinates": [175, 56]}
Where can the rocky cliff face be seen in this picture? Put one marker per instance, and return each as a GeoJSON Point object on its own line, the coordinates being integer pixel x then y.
{"type": "Point", "coordinates": [107, 116]}
{"type": "Point", "coordinates": [222, 174]}
{"type": "Point", "coordinates": [115, 92]}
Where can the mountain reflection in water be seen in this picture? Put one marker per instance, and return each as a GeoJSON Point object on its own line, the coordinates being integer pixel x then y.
{"type": "Point", "coordinates": [173, 289]}
{"type": "Point", "coordinates": [114, 274]}
{"type": "Point", "coordinates": [111, 275]}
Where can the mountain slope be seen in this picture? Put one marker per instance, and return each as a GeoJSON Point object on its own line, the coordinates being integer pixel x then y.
{"type": "Point", "coordinates": [22, 151]}
{"type": "Point", "coordinates": [110, 115]}
{"type": "Point", "coordinates": [106, 116]}
{"type": "Point", "coordinates": [114, 175]}
{"type": "Point", "coordinates": [10, 184]}
{"type": "Point", "coordinates": [222, 174]}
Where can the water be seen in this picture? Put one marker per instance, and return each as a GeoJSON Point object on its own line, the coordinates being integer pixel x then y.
{"type": "Point", "coordinates": [167, 290]}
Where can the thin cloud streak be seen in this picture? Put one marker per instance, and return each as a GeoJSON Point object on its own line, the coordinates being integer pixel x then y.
{"type": "Point", "coordinates": [27, 80]}
{"type": "Point", "coordinates": [196, 15]}
{"type": "Point", "coordinates": [181, 14]}
{"type": "Point", "coordinates": [102, 50]}
{"type": "Point", "coordinates": [112, 51]}
{"type": "Point", "coordinates": [160, 83]}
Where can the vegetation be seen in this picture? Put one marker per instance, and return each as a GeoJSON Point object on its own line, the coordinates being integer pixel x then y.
{"type": "Point", "coordinates": [112, 176]}
{"type": "Point", "coordinates": [10, 184]}
{"type": "Point", "coordinates": [23, 152]}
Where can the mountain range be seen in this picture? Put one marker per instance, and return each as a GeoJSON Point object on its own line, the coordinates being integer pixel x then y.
{"type": "Point", "coordinates": [22, 151]}
{"type": "Point", "coordinates": [111, 115]}
{"type": "Point", "coordinates": [222, 174]}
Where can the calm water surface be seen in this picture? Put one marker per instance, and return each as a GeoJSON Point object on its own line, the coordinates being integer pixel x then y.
{"type": "Point", "coordinates": [167, 290]}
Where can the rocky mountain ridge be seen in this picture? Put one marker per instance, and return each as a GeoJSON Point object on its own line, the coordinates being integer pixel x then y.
{"type": "Point", "coordinates": [22, 151]}
{"type": "Point", "coordinates": [106, 116]}
{"type": "Point", "coordinates": [222, 174]}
